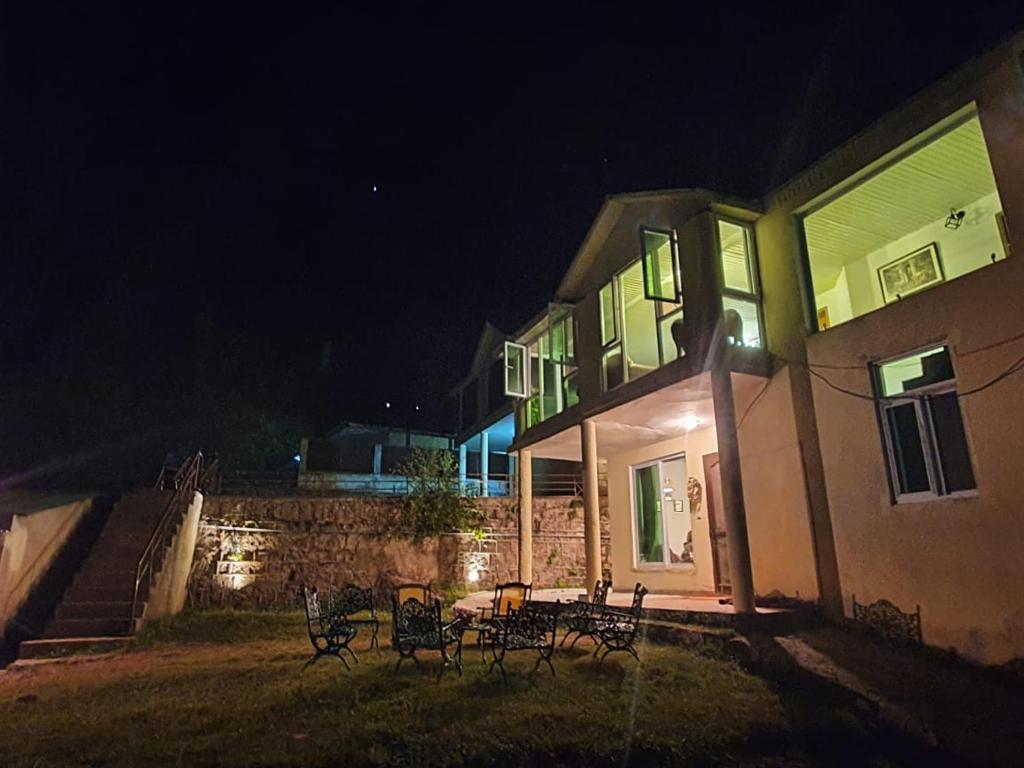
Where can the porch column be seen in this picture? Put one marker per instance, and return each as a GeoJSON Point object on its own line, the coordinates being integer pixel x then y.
{"type": "Point", "coordinates": [378, 458]}
{"type": "Point", "coordinates": [591, 503]}
{"type": "Point", "coordinates": [735, 515]}
{"type": "Point", "coordinates": [525, 516]}
{"type": "Point", "coordinates": [462, 468]}
{"type": "Point", "coordinates": [485, 461]}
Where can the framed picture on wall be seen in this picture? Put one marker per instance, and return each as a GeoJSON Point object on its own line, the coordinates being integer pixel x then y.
{"type": "Point", "coordinates": [823, 323]}
{"type": "Point", "coordinates": [909, 274]}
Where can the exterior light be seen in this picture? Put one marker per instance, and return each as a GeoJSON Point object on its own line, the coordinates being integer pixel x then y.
{"type": "Point", "coordinates": [387, 405]}
{"type": "Point", "coordinates": [297, 458]}
{"type": "Point", "coordinates": [690, 422]}
{"type": "Point", "coordinates": [473, 575]}
{"type": "Point", "coordinates": [374, 187]}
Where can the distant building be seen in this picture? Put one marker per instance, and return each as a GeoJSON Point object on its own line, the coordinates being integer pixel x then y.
{"type": "Point", "coordinates": [363, 458]}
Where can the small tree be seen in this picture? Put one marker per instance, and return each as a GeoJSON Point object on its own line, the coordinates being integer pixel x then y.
{"type": "Point", "coordinates": [434, 503]}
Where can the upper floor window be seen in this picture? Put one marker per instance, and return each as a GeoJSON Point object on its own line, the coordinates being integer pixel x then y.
{"type": "Point", "coordinates": [543, 371]}
{"type": "Point", "coordinates": [931, 215]}
{"type": "Point", "coordinates": [919, 408]}
{"type": "Point", "coordinates": [638, 308]}
{"type": "Point", "coordinates": [741, 300]}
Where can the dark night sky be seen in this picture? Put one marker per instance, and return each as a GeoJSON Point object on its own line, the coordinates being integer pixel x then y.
{"type": "Point", "coordinates": [170, 173]}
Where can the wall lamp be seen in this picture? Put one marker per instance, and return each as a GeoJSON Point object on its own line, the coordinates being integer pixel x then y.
{"type": "Point", "coordinates": [955, 218]}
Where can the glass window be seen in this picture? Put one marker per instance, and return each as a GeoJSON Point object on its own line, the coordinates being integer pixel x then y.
{"type": "Point", "coordinates": [669, 349]}
{"type": "Point", "coordinates": [930, 216]}
{"type": "Point", "coordinates": [661, 513]}
{"type": "Point", "coordinates": [639, 324]}
{"type": "Point", "coordinates": [741, 321]}
{"type": "Point", "coordinates": [661, 279]}
{"type": "Point", "coordinates": [570, 384]}
{"type": "Point", "coordinates": [923, 427]}
{"type": "Point", "coordinates": [734, 247]}
{"type": "Point", "coordinates": [515, 369]}
{"type": "Point", "coordinates": [609, 317]}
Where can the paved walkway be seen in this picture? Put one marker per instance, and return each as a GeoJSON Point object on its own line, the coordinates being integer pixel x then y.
{"type": "Point", "coordinates": [653, 601]}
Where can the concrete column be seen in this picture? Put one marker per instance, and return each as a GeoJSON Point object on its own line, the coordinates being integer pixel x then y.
{"type": "Point", "coordinates": [591, 503]}
{"type": "Point", "coordinates": [378, 458]}
{"type": "Point", "coordinates": [303, 453]}
{"type": "Point", "coordinates": [485, 461]}
{"type": "Point", "coordinates": [462, 468]}
{"type": "Point", "coordinates": [525, 516]}
{"type": "Point", "coordinates": [735, 515]}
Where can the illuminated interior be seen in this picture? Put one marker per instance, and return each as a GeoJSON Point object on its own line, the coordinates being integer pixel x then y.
{"type": "Point", "coordinates": [899, 231]}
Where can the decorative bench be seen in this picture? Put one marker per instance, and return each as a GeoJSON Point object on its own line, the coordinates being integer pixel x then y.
{"type": "Point", "coordinates": [889, 622]}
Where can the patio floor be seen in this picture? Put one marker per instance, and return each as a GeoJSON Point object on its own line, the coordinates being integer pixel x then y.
{"type": "Point", "coordinates": [653, 602]}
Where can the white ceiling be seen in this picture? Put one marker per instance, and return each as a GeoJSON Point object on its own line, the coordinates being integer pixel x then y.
{"type": "Point", "coordinates": [951, 171]}
{"type": "Point", "coordinates": [648, 419]}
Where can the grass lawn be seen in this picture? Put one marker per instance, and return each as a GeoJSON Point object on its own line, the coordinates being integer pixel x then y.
{"type": "Point", "coordinates": [225, 688]}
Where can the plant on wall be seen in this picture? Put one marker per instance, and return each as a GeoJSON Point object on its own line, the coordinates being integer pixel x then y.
{"type": "Point", "coordinates": [433, 504]}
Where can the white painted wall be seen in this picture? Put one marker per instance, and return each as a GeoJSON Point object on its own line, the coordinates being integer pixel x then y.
{"type": "Point", "coordinates": [857, 290]}
{"type": "Point", "coordinates": [171, 585]}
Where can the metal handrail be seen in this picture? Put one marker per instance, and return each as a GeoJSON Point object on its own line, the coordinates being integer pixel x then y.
{"type": "Point", "coordinates": [186, 481]}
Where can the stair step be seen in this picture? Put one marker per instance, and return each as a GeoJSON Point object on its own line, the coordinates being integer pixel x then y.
{"type": "Point", "coordinates": [121, 593]}
{"type": "Point", "coordinates": [94, 610]}
{"type": "Point", "coordinates": [64, 628]}
{"type": "Point", "coordinates": [64, 646]}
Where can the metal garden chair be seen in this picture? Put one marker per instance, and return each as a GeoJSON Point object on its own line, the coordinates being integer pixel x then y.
{"type": "Point", "coordinates": [351, 601]}
{"type": "Point", "coordinates": [581, 617]}
{"type": "Point", "coordinates": [617, 628]}
{"type": "Point", "coordinates": [532, 627]}
{"type": "Point", "coordinates": [329, 635]}
{"type": "Point", "coordinates": [418, 626]}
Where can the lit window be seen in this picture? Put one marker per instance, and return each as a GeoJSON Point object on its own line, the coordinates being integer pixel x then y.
{"type": "Point", "coordinates": [929, 216]}
{"type": "Point", "coordinates": [741, 302]}
{"type": "Point", "coordinates": [661, 513]}
{"type": "Point", "coordinates": [926, 447]}
{"type": "Point", "coordinates": [661, 278]}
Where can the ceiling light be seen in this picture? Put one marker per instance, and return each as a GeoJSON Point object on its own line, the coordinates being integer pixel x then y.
{"type": "Point", "coordinates": [690, 422]}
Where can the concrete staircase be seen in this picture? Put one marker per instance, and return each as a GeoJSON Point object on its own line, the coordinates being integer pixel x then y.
{"type": "Point", "coordinates": [96, 610]}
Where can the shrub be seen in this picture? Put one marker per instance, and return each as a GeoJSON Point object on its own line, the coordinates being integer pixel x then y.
{"type": "Point", "coordinates": [434, 504]}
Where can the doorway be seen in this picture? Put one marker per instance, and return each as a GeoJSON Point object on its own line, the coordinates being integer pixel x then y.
{"type": "Point", "coordinates": [716, 523]}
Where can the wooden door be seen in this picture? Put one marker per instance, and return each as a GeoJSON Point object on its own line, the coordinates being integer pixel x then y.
{"type": "Point", "coordinates": [716, 523]}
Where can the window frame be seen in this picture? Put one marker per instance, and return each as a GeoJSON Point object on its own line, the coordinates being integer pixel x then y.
{"type": "Point", "coordinates": [677, 282]}
{"type": "Point", "coordinates": [919, 397]}
{"type": "Point", "coordinates": [522, 350]}
{"type": "Point", "coordinates": [665, 564]}
{"type": "Point", "coordinates": [753, 267]}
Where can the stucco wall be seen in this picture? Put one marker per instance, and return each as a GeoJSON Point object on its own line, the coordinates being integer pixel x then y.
{"type": "Point", "coordinates": [171, 585]}
{"type": "Point", "coordinates": [775, 494]}
{"type": "Point", "coordinates": [259, 551]}
{"type": "Point", "coordinates": [29, 547]}
{"type": "Point", "coordinates": [958, 558]}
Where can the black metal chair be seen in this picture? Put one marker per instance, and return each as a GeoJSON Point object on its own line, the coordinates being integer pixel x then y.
{"type": "Point", "coordinates": [351, 601]}
{"type": "Point", "coordinates": [417, 626]}
{"type": "Point", "coordinates": [581, 617]}
{"type": "Point", "coordinates": [509, 596]}
{"type": "Point", "coordinates": [617, 628]}
{"type": "Point", "coordinates": [531, 627]}
{"type": "Point", "coordinates": [328, 634]}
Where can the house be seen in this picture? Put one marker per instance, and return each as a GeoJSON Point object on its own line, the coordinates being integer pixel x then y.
{"type": "Point", "coordinates": [363, 458]}
{"type": "Point", "coordinates": [814, 394]}
{"type": "Point", "coordinates": [486, 427]}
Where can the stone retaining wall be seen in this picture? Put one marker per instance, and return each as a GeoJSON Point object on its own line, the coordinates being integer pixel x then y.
{"type": "Point", "coordinates": [257, 552]}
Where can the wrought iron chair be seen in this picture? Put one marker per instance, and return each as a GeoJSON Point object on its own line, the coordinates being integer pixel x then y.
{"type": "Point", "coordinates": [329, 635]}
{"type": "Point", "coordinates": [418, 626]}
{"type": "Point", "coordinates": [350, 601]}
{"type": "Point", "coordinates": [508, 597]}
{"type": "Point", "coordinates": [532, 627]}
{"type": "Point", "coordinates": [617, 628]}
{"type": "Point", "coordinates": [581, 617]}
{"type": "Point", "coordinates": [404, 592]}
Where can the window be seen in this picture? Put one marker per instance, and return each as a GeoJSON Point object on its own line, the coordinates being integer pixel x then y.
{"type": "Point", "coordinates": [636, 329]}
{"type": "Point", "coordinates": [741, 301]}
{"type": "Point", "coordinates": [515, 370]}
{"type": "Point", "coordinates": [926, 447]}
{"type": "Point", "coordinates": [661, 279]}
{"type": "Point", "coordinates": [661, 513]}
{"type": "Point", "coordinates": [890, 234]}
